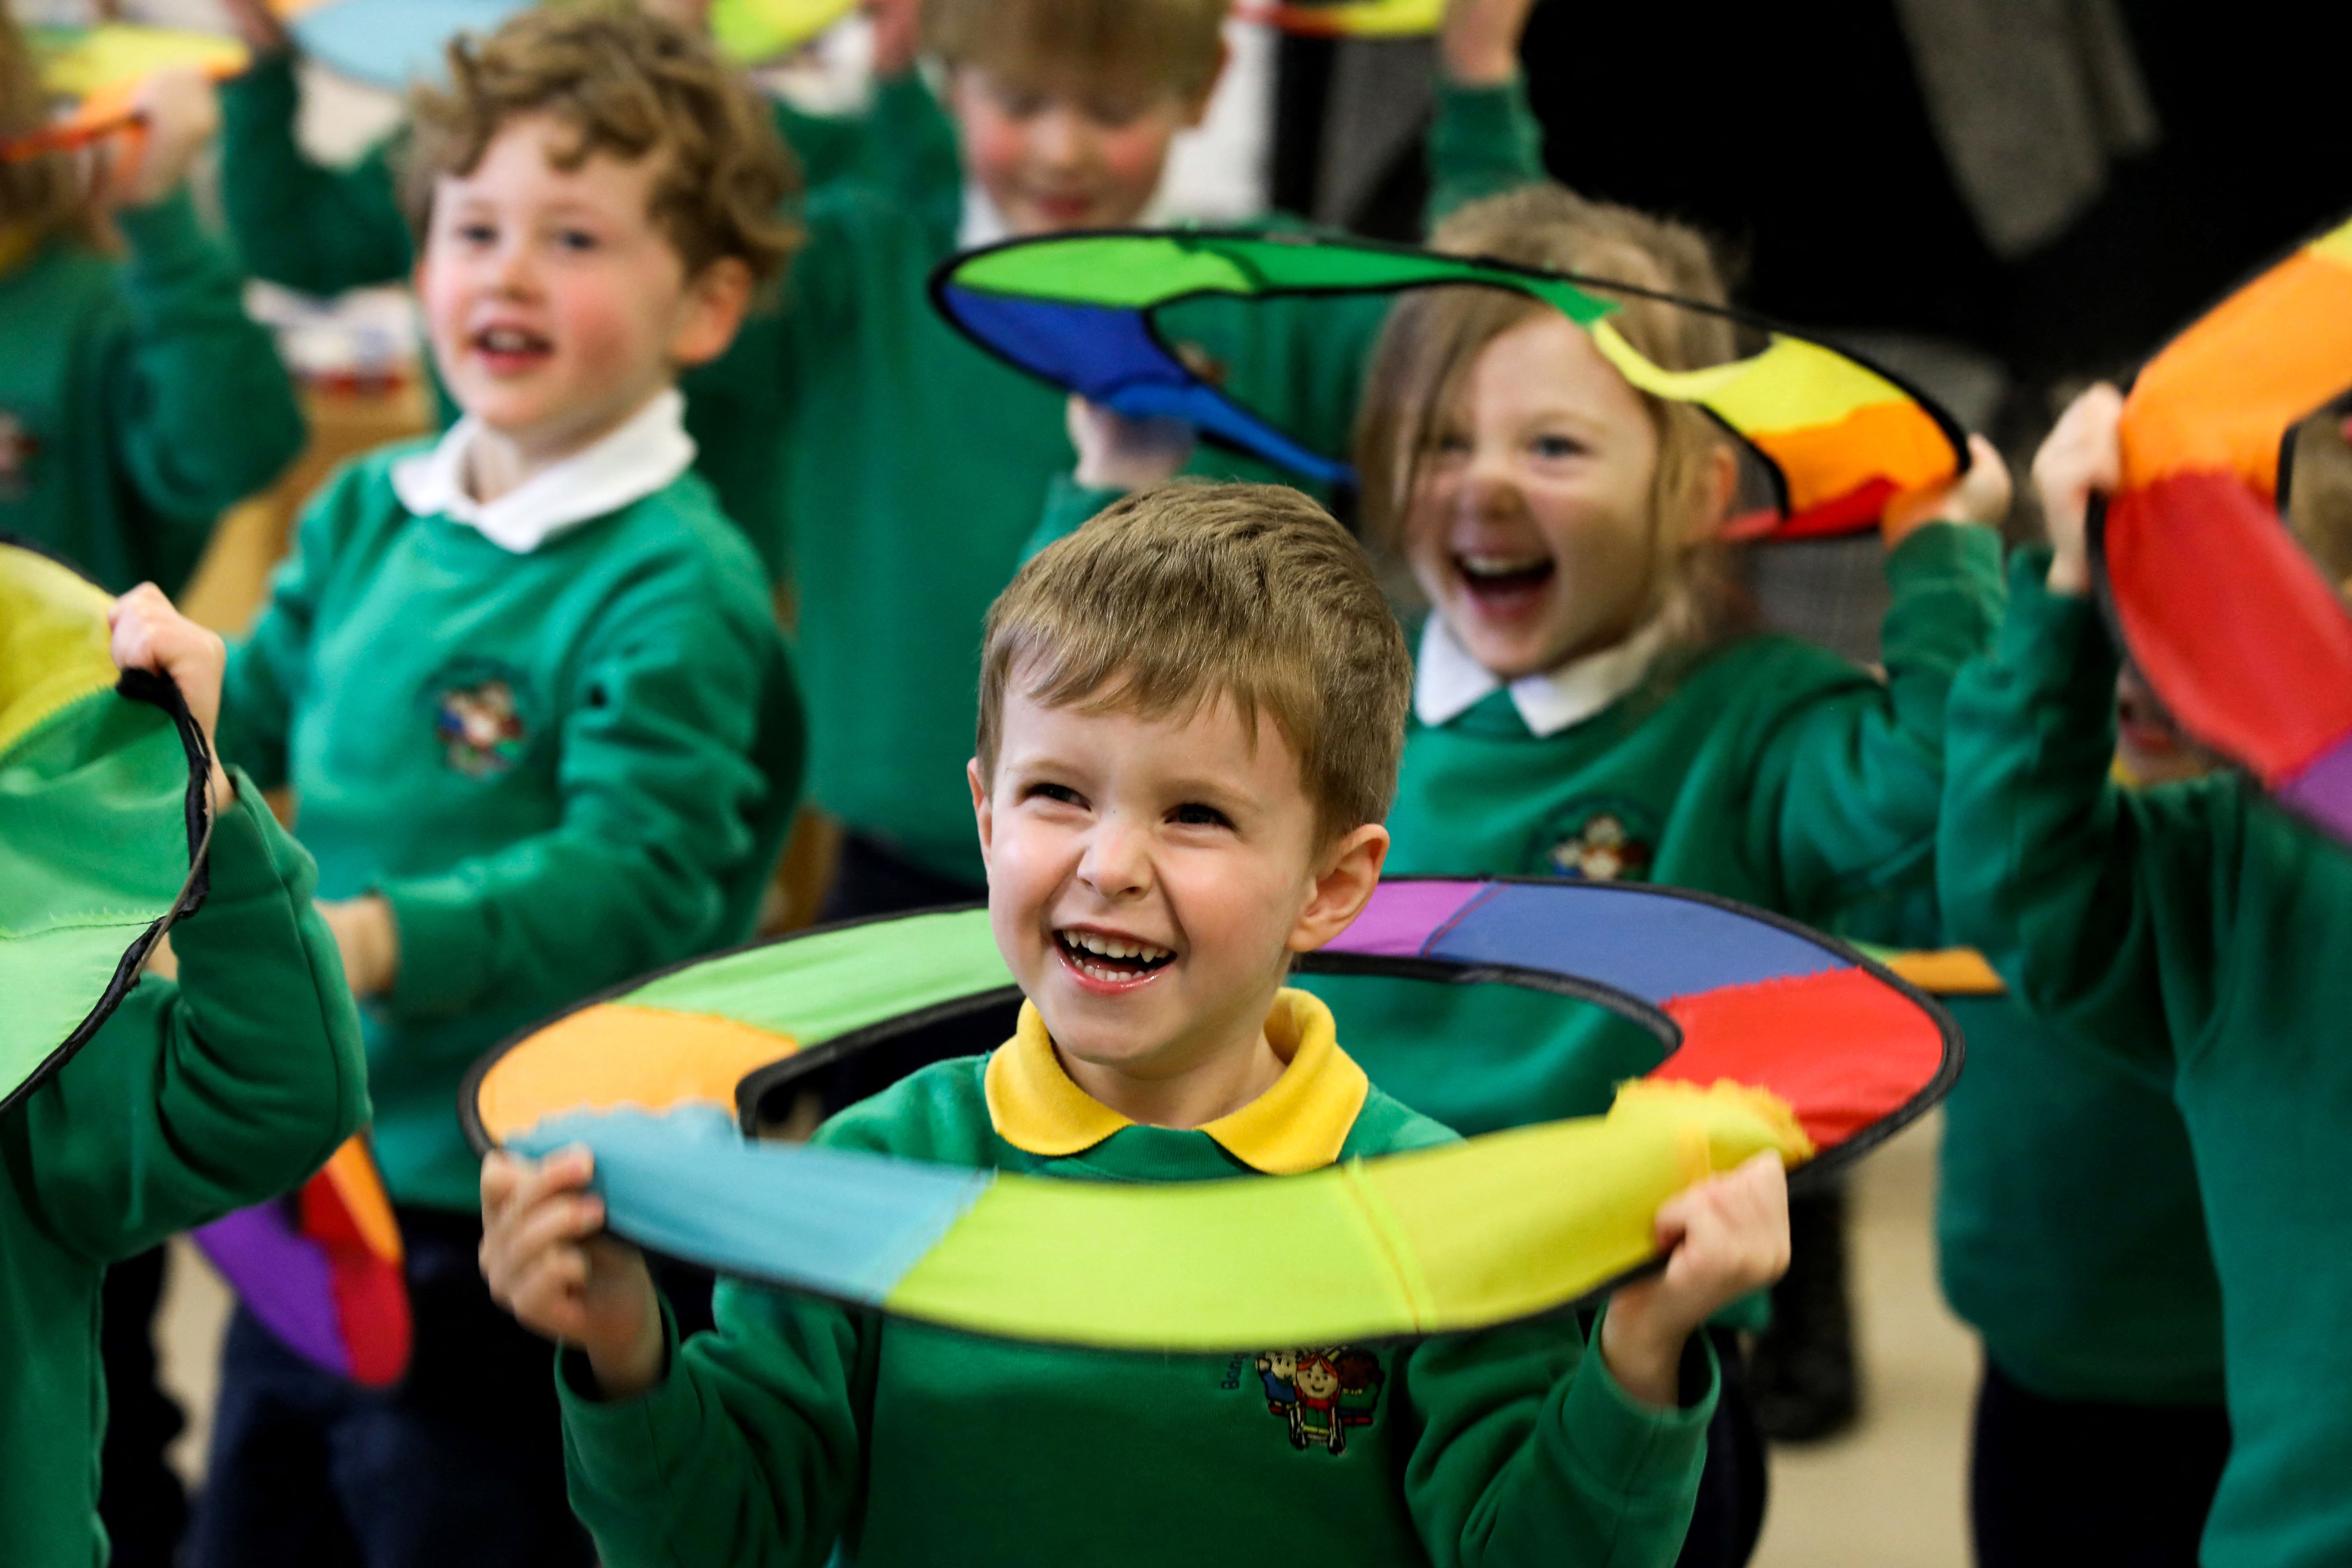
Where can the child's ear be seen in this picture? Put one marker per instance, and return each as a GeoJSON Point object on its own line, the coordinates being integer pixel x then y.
{"type": "Point", "coordinates": [1344, 884]}
{"type": "Point", "coordinates": [710, 311]}
{"type": "Point", "coordinates": [983, 815]}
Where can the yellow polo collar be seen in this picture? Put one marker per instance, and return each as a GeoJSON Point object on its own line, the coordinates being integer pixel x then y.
{"type": "Point", "coordinates": [1298, 1125]}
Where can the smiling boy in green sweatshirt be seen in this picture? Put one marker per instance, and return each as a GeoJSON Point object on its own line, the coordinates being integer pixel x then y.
{"type": "Point", "coordinates": [1190, 719]}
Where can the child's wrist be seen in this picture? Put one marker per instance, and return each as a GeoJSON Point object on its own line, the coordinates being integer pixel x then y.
{"type": "Point", "coordinates": [2069, 576]}
{"type": "Point", "coordinates": [1645, 1358]}
{"type": "Point", "coordinates": [625, 1371]}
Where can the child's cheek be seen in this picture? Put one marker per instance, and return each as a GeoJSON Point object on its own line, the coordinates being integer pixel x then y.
{"type": "Point", "coordinates": [1136, 157]}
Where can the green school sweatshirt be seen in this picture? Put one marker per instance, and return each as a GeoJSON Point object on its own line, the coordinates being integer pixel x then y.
{"type": "Point", "coordinates": [1765, 770]}
{"type": "Point", "coordinates": [2199, 932]}
{"type": "Point", "coordinates": [195, 1098]}
{"type": "Point", "coordinates": [561, 768]}
{"type": "Point", "coordinates": [795, 1422]}
{"type": "Point", "coordinates": [915, 463]}
{"type": "Point", "coordinates": [2068, 1229]}
{"type": "Point", "coordinates": [137, 400]}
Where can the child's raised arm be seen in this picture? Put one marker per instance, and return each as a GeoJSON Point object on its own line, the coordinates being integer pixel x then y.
{"type": "Point", "coordinates": [1724, 1238]}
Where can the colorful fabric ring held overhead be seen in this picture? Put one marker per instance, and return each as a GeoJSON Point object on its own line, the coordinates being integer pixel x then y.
{"type": "Point", "coordinates": [1839, 437]}
{"type": "Point", "coordinates": [1770, 1038]}
{"type": "Point", "coordinates": [2244, 639]}
{"type": "Point", "coordinates": [1347, 18]}
{"type": "Point", "coordinates": [98, 71]}
{"type": "Point", "coordinates": [87, 757]}
{"type": "Point", "coordinates": [321, 1270]}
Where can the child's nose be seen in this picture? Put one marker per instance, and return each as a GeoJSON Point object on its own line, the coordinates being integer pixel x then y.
{"type": "Point", "coordinates": [1060, 137]}
{"type": "Point", "coordinates": [1117, 863]}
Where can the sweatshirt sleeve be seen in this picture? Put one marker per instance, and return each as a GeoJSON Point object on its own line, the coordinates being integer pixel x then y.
{"type": "Point", "coordinates": [224, 1090]}
{"type": "Point", "coordinates": [2107, 910]}
{"type": "Point", "coordinates": [1853, 780]}
{"type": "Point", "coordinates": [1484, 140]}
{"type": "Point", "coordinates": [659, 791]}
{"type": "Point", "coordinates": [746, 1452]}
{"type": "Point", "coordinates": [298, 223]}
{"type": "Point", "coordinates": [1531, 1454]}
{"type": "Point", "coordinates": [199, 405]}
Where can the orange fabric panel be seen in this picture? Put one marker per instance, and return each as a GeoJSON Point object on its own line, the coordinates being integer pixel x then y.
{"type": "Point", "coordinates": [2222, 396]}
{"type": "Point", "coordinates": [1894, 442]}
{"type": "Point", "coordinates": [614, 1053]}
{"type": "Point", "coordinates": [1766, 1035]}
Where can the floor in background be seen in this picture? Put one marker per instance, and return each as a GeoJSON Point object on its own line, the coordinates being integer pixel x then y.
{"type": "Point", "coordinates": [1889, 1496]}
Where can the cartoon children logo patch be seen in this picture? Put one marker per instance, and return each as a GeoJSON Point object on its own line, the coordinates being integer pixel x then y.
{"type": "Point", "coordinates": [18, 448]}
{"type": "Point", "coordinates": [478, 717]}
{"type": "Point", "coordinates": [1597, 844]}
{"type": "Point", "coordinates": [1321, 1394]}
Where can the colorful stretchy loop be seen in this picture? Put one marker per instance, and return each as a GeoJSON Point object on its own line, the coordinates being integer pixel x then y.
{"type": "Point", "coordinates": [1840, 437]}
{"type": "Point", "coordinates": [95, 72]}
{"type": "Point", "coordinates": [1347, 18]}
{"type": "Point", "coordinates": [1770, 1038]}
{"type": "Point", "coordinates": [88, 758]}
{"type": "Point", "coordinates": [2245, 640]}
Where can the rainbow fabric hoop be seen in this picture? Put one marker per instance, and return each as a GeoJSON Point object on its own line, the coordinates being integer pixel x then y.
{"type": "Point", "coordinates": [2245, 641]}
{"type": "Point", "coordinates": [1348, 18]}
{"type": "Point", "coordinates": [98, 70]}
{"type": "Point", "coordinates": [391, 43]}
{"type": "Point", "coordinates": [1772, 1037]}
{"type": "Point", "coordinates": [1839, 437]}
{"type": "Point", "coordinates": [322, 1269]}
{"type": "Point", "coordinates": [89, 756]}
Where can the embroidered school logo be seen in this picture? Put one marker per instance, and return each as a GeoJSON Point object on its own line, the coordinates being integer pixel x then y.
{"type": "Point", "coordinates": [18, 447]}
{"type": "Point", "coordinates": [479, 719]}
{"type": "Point", "coordinates": [1605, 847]}
{"type": "Point", "coordinates": [1321, 1394]}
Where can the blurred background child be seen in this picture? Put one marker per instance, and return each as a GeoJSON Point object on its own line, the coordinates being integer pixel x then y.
{"type": "Point", "coordinates": [2193, 931]}
{"type": "Point", "coordinates": [538, 722]}
{"type": "Point", "coordinates": [137, 401]}
{"type": "Point", "coordinates": [198, 1096]}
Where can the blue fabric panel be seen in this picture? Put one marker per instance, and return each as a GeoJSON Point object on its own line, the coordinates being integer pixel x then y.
{"type": "Point", "coordinates": [836, 1222]}
{"type": "Point", "coordinates": [391, 43]}
{"type": "Point", "coordinates": [1110, 357]}
{"type": "Point", "coordinates": [1651, 945]}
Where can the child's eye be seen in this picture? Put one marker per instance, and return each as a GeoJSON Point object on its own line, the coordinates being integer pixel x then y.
{"type": "Point", "coordinates": [1450, 443]}
{"type": "Point", "coordinates": [575, 239]}
{"type": "Point", "coordinates": [1114, 113]}
{"type": "Point", "coordinates": [1017, 105]}
{"type": "Point", "coordinates": [1556, 447]}
{"type": "Point", "coordinates": [477, 234]}
{"type": "Point", "coordinates": [1193, 814]}
{"type": "Point", "coordinates": [1061, 793]}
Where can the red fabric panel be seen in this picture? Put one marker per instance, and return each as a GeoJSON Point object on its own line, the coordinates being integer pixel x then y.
{"type": "Point", "coordinates": [2241, 636]}
{"type": "Point", "coordinates": [1844, 1048]}
{"type": "Point", "coordinates": [371, 1294]}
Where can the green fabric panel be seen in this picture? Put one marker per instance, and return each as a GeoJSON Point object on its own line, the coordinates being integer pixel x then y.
{"type": "Point", "coordinates": [94, 850]}
{"type": "Point", "coordinates": [53, 640]}
{"type": "Point", "coordinates": [1137, 271]}
{"type": "Point", "coordinates": [815, 988]}
{"type": "Point", "coordinates": [1206, 1266]}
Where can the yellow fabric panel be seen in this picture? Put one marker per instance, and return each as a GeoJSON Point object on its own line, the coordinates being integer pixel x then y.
{"type": "Point", "coordinates": [1791, 385]}
{"type": "Point", "coordinates": [614, 1053]}
{"type": "Point", "coordinates": [53, 641]}
{"type": "Point", "coordinates": [2334, 246]}
{"type": "Point", "coordinates": [1948, 972]}
{"type": "Point", "coordinates": [111, 55]}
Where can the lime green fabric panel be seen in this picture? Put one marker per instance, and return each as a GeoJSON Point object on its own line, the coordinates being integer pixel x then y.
{"type": "Point", "coordinates": [52, 640]}
{"type": "Point", "coordinates": [1207, 1266]}
{"type": "Point", "coordinates": [819, 986]}
{"type": "Point", "coordinates": [1128, 271]}
{"type": "Point", "coordinates": [94, 850]}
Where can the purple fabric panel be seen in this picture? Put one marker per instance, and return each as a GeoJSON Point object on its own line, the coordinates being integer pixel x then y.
{"type": "Point", "coordinates": [283, 1278]}
{"type": "Point", "coordinates": [1401, 916]}
{"type": "Point", "coordinates": [2323, 791]}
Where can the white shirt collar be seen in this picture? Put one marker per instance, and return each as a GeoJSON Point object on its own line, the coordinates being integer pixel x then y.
{"type": "Point", "coordinates": [1447, 682]}
{"type": "Point", "coordinates": [649, 450]}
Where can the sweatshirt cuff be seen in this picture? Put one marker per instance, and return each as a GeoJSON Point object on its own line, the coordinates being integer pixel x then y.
{"type": "Point", "coordinates": [1636, 1448]}
{"type": "Point", "coordinates": [262, 98]}
{"type": "Point", "coordinates": [1945, 548]}
{"type": "Point", "coordinates": [616, 1445]}
{"type": "Point", "coordinates": [444, 928]}
{"type": "Point", "coordinates": [250, 857]}
{"type": "Point", "coordinates": [1486, 127]}
{"type": "Point", "coordinates": [1069, 506]}
{"type": "Point", "coordinates": [2055, 641]}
